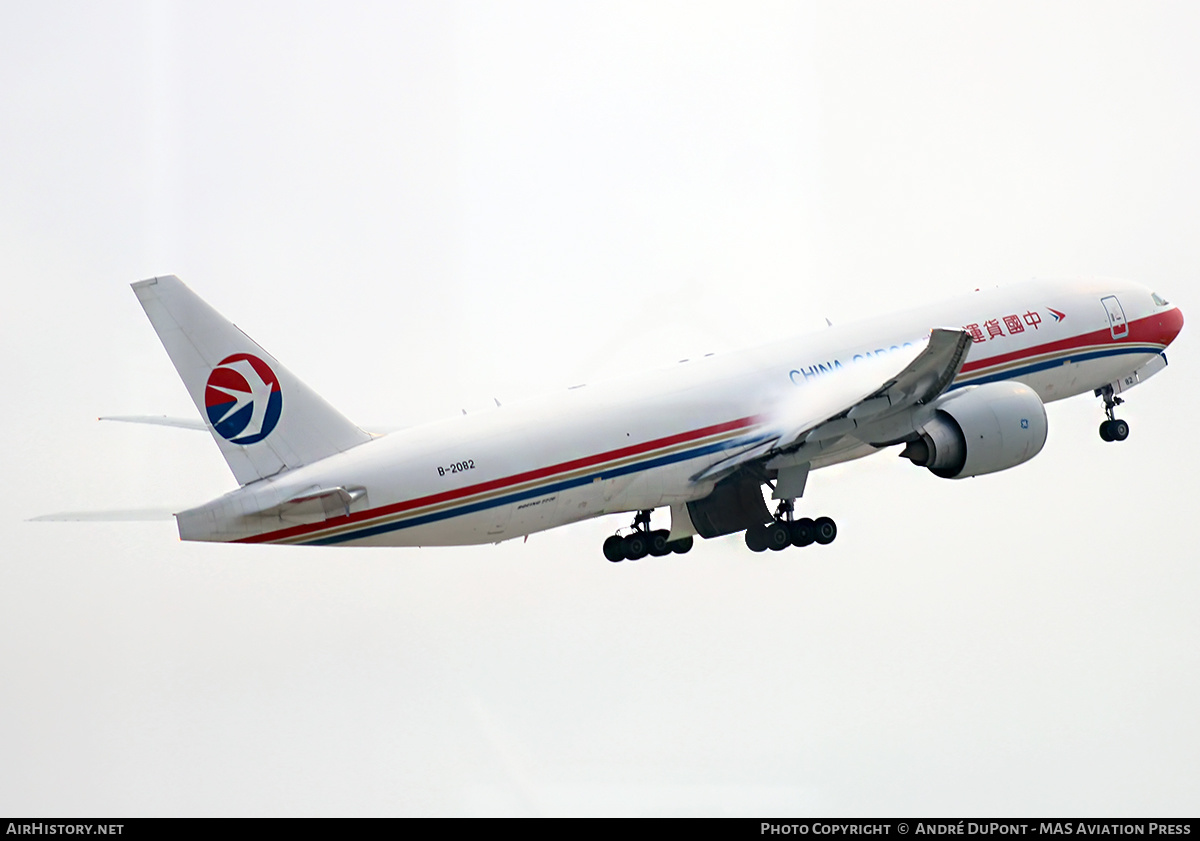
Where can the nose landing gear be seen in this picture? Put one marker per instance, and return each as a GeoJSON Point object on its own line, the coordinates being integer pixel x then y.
{"type": "Point", "coordinates": [1113, 429]}
{"type": "Point", "coordinates": [643, 541]}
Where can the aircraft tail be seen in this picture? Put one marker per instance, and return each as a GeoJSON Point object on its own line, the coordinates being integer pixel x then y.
{"type": "Point", "coordinates": [263, 419]}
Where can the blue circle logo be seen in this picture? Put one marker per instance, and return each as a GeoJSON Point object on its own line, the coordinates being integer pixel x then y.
{"type": "Point", "coordinates": [243, 399]}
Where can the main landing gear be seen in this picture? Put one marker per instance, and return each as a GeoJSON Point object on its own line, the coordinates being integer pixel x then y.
{"type": "Point", "coordinates": [642, 542]}
{"type": "Point", "coordinates": [1113, 429]}
{"type": "Point", "coordinates": [785, 531]}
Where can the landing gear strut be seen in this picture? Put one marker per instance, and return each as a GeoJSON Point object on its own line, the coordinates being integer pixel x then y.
{"type": "Point", "coordinates": [1113, 429]}
{"type": "Point", "coordinates": [642, 541]}
{"type": "Point", "coordinates": [785, 531]}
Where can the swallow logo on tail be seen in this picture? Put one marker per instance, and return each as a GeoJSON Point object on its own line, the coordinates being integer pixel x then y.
{"type": "Point", "coordinates": [243, 399]}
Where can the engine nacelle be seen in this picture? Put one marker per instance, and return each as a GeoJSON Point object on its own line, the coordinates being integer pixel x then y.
{"type": "Point", "coordinates": [980, 430]}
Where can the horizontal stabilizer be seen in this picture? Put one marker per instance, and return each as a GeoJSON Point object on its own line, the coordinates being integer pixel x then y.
{"type": "Point", "coordinates": [331, 499]}
{"type": "Point", "coordinates": [159, 420]}
{"type": "Point", "coordinates": [117, 515]}
{"type": "Point", "coordinates": [317, 504]}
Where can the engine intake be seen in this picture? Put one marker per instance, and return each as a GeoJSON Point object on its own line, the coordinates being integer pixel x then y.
{"type": "Point", "coordinates": [984, 429]}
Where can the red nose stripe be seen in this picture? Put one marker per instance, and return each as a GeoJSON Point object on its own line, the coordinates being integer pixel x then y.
{"type": "Point", "coordinates": [1167, 325]}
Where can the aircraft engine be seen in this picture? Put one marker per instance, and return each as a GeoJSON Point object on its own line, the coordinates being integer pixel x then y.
{"type": "Point", "coordinates": [980, 430]}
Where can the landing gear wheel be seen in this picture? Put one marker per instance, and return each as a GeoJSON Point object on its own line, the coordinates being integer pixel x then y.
{"type": "Point", "coordinates": [778, 536]}
{"type": "Point", "coordinates": [681, 546]}
{"type": "Point", "coordinates": [1113, 429]}
{"type": "Point", "coordinates": [614, 548]}
{"type": "Point", "coordinates": [657, 543]}
{"type": "Point", "coordinates": [636, 546]}
{"type": "Point", "coordinates": [826, 530]}
{"type": "Point", "coordinates": [804, 531]}
{"type": "Point", "coordinates": [756, 539]}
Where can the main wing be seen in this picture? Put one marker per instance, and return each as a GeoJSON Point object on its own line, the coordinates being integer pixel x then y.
{"type": "Point", "coordinates": [864, 401]}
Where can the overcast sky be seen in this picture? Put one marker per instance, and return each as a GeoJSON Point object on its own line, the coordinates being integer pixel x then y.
{"type": "Point", "coordinates": [422, 207]}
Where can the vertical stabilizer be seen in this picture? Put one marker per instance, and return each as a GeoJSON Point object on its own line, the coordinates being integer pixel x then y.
{"type": "Point", "coordinates": [263, 419]}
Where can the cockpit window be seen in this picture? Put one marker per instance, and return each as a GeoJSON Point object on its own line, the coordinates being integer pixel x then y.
{"type": "Point", "coordinates": [1158, 300]}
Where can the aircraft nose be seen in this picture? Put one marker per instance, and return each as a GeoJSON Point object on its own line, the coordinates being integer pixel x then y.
{"type": "Point", "coordinates": [1169, 323]}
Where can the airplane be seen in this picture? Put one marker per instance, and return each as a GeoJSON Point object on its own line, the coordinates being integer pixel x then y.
{"type": "Point", "coordinates": [957, 388]}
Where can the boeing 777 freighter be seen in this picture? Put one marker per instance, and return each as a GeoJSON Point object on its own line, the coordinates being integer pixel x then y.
{"type": "Point", "coordinates": [957, 388]}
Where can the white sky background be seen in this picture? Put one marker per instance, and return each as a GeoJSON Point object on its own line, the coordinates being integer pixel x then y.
{"type": "Point", "coordinates": [420, 207]}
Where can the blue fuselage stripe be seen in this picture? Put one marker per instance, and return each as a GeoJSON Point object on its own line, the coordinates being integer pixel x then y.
{"type": "Point", "coordinates": [1058, 362]}
{"type": "Point", "coordinates": [541, 490]}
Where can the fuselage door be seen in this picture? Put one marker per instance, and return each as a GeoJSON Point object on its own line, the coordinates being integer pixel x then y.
{"type": "Point", "coordinates": [1116, 317]}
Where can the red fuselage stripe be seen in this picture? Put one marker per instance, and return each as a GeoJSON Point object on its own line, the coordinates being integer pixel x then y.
{"type": "Point", "coordinates": [1155, 329]}
{"type": "Point", "coordinates": [496, 484]}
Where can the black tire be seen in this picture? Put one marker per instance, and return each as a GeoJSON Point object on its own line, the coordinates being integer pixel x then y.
{"type": "Point", "coordinates": [826, 530]}
{"type": "Point", "coordinates": [682, 546]}
{"type": "Point", "coordinates": [1119, 430]}
{"type": "Point", "coordinates": [636, 547]}
{"type": "Point", "coordinates": [804, 532]}
{"type": "Point", "coordinates": [614, 548]}
{"type": "Point", "coordinates": [756, 539]}
{"type": "Point", "coordinates": [1106, 430]}
{"type": "Point", "coordinates": [778, 537]}
{"type": "Point", "coordinates": [657, 543]}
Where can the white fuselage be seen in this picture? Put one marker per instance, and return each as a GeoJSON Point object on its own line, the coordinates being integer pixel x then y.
{"type": "Point", "coordinates": [636, 444]}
